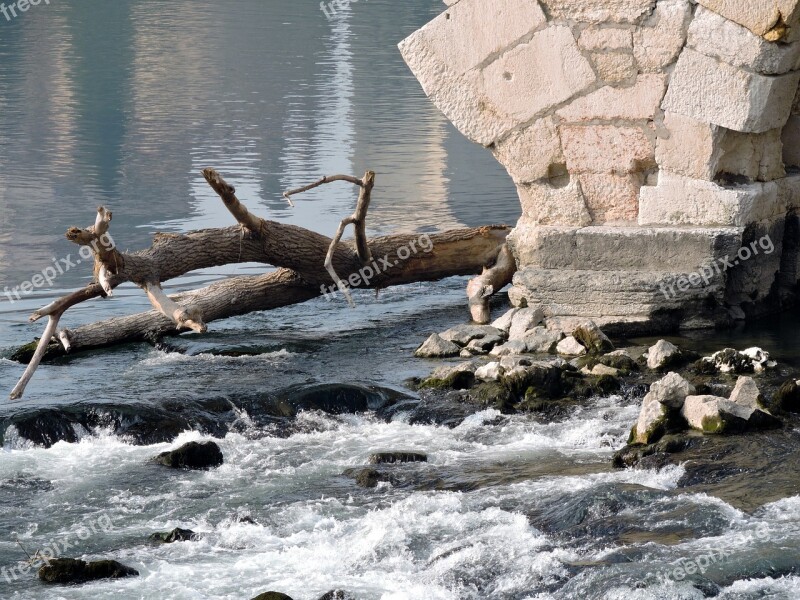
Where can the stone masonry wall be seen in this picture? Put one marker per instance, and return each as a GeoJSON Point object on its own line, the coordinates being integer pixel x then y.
{"type": "Point", "coordinates": [648, 139]}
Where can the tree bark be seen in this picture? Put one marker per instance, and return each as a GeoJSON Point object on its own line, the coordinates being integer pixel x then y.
{"type": "Point", "coordinates": [304, 260]}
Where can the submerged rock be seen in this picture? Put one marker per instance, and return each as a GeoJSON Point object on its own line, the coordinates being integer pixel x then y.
{"type": "Point", "coordinates": [570, 346]}
{"type": "Point", "coordinates": [194, 455]}
{"type": "Point", "coordinates": [592, 338]}
{"type": "Point", "coordinates": [382, 458]}
{"type": "Point", "coordinates": [176, 535]}
{"type": "Point", "coordinates": [437, 347]}
{"type": "Point", "coordinates": [662, 355]}
{"type": "Point", "coordinates": [69, 570]}
{"type": "Point", "coordinates": [272, 596]}
{"type": "Point", "coordinates": [787, 398]}
{"type": "Point", "coordinates": [336, 595]}
{"type": "Point", "coordinates": [366, 477]}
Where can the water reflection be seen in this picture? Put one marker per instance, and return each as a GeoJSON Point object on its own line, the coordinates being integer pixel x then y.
{"type": "Point", "coordinates": [124, 102]}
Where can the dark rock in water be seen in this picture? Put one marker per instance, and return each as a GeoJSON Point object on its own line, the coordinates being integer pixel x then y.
{"type": "Point", "coordinates": [336, 595]}
{"type": "Point", "coordinates": [272, 596]}
{"type": "Point", "coordinates": [366, 477]}
{"type": "Point", "coordinates": [194, 455]}
{"type": "Point", "coordinates": [48, 427]}
{"type": "Point", "coordinates": [70, 570]}
{"type": "Point", "coordinates": [176, 535]}
{"type": "Point", "coordinates": [334, 399]}
{"type": "Point", "coordinates": [381, 458]}
{"type": "Point", "coordinates": [633, 454]}
{"type": "Point", "coordinates": [787, 398]}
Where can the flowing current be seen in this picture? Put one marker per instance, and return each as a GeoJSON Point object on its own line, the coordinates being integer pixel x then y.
{"type": "Point", "coordinates": [122, 103]}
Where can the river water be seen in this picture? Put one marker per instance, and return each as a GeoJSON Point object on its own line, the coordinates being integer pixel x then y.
{"type": "Point", "coordinates": [123, 103]}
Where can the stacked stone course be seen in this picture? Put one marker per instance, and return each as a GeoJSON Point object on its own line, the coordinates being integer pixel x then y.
{"type": "Point", "coordinates": [647, 139]}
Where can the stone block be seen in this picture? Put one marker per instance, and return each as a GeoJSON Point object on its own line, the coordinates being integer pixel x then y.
{"type": "Point", "coordinates": [529, 154]}
{"type": "Point", "coordinates": [704, 151]}
{"type": "Point", "coordinates": [473, 30]}
{"type": "Point", "coordinates": [606, 149]}
{"type": "Point", "coordinates": [538, 75]}
{"type": "Point", "coordinates": [638, 102]}
{"type": "Point", "coordinates": [762, 17]}
{"type": "Point", "coordinates": [612, 198]}
{"type": "Point", "coordinates": [659, 41]}
{"type": "Point", "coordinates": [678, 200]}
{"type": "Point", "coordinates": [605, 38]}
{"type": "Point", "coordinates": [714, 35]}
{"type": "Point", "coordinates": [545, 204]}
{"type": "Point", "coordinates": [708, 90]}
{"type": "Point", "coordinates": [614, 67]}
{"type": "Point", "coordinates": [599, 11]}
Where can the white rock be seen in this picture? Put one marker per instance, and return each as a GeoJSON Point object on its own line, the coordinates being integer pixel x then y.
{"type": "Point", "coordinates": [638, 102]}
{"type": "Point", "coordinates": [606, 148]}
{"type": "Point", "coordinates": [504, 323]}
{"type": "Point", "coordinates": [712, 414]}
{"type": "Point", "coordinates": [605, 38]}
{"type": "Point", "coordinates": [489, 372]}
{"type": "Point", "coordinates": [598, 11]}
{"type": "Point", "coordinates": [599, 369]}
{"type": "Point", "coordinates": [759, 16]}
{"type": "Point", "coordinates": [708, 90]}
{"type": "Point", "coordinates": [544, 204]}
{"type": "Point", "coordinates": [648, 426]}
{"type": "Point", "coordinates": [528, 154]}
{"type": "Point", "coordinates": [659, 354]}
{"type": "Point", "coordinates": [614, 67]}
{"type": "Point", "coordinates": [509, 348]}
{"type": "Point", "coordinates": [659, 41]}
{"type": "Point", "coordinates": [569, 346]}
{"type": "Point", "coordinates": [523, 320]}
{"type": "Point", "coordinates": [671, 391]}
{"type": "Point", "coordinates": [436, 347]}
{"type": "Point", "coordinates": [612, 198]}
{"type": "Point", "coordinates": [541, 340]}
{"type": "Point", "coordinates": [746, 393]}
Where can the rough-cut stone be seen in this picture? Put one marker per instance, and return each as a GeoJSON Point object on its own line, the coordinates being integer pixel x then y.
{"type": "Point", "coordinates": [523, 320]}
{"type": "Point", "coordinates": [746, 393]}
{"type": "Point", "coordinates": [671, 390]}
{"type": "Point", "coordinates": [650, 425]}
{"type": "Point", "coordinates": [510, 348]}
{"type": "Point", "coordinates": [658, 43]}
{"type": "Point", "coordinates": [612, 198]}
{"type": "Point", "coordinates": [703, 151]}
{"type": "Point", "coordinates": [541, 340]}
{"type": "Point", "coordinates": [489, 372]}
{"type": "Point", "coordinates": [436, 347]}
{"type": "Point", "coordinates": [538, 75]}
{"type": "Point", "coordinates": [545, 204]}
{"type": "Point", "coordinates": [606, 149]}
{"type": "Point", "coordinates": [599, 11]}
{"type": "Point", "coordinates": [529, 154]}
{"type": "Point", "coordinates": [708, 90]}
{"type": "Point", "coordinates": [614, 67]}
{"type": "Point", "coordinates": [638, 102]}
{"type": "Point", "coordinates": [469, 32]}
{"type": "Point", "coordinates": [605, 38]}
{"type": "Point", "coordinates": [504, 323]}
{"type": "Point", "coordinates": [661, 354]}
{"type": "Point", "coordinates": [570, 346]}
{"type": "Point", "coordinates": [791, 143]}
{"type": "Point", "coordinates": [714, 35]}
{"type": "Point", "coordinates": [678, 200]}
{"type": "Point", "coordinates": [592, 338]}
{"type": "Point", "coordinates": [759, 16]}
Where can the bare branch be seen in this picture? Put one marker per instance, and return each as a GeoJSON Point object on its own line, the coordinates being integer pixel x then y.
{"type": "Point", "coordinates": [182, 317]}
{"type": "Point", "coordinates": [326, 179]}
{"type": "Point", "coordinates": [47, 336]}
{"type": "Point", "coordinates": [228, 194]}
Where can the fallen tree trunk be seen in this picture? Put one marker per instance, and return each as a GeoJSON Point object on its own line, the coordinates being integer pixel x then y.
{"type": "Point", "coordinates": [310, 265]}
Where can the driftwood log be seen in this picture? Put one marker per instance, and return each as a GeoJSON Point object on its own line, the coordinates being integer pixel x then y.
{"type": "Point", "coordinates": [308, 265]}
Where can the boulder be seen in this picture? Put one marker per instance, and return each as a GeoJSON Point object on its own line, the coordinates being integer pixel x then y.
{"type": "Point", "coordinates": [71, 571]}
{"type": "Point", "coordinates": [652, 422]}
{"type": "Point", "coordinates": [662, 355]}
{"type": "Point", "coordinates": [464, 334]}
{"type": "Point", "coordinates": [570, 346]}
{"type": "Point", "coordinates": [489, 372]}
{"type": "Point", "coordinates": [510, 348]}
{"type": "Point", "coordinates": [437, 347]}
{"type": "Point", "coordinates": [760, 359]}
{"type": "Point", "coordinates": [671, 390]}
{"type": "Point", "coordinates": [504, 323]}
{"type": "Point", "coordinates": [194, 455]}
{"type": "Point", "coordinates": [712, 414]}
{"type": "Point", "coordinates": [176, 535]}
{"type": "Point", "coordinates": [484, 344]}
{"type": "Point", "coordinates": [620, 360]}
{"type": "Point", "coordinates": [592, 338]}
{"type": "Point", "coordinates": [541, 340]}
{"type": "Point", "coordinates": [746, 393]}
{"type": "Point", "coordinates": [787, 398]}
{"type": "Point", "coordinates": [382, 458]}
{"type": "Point", "coordinates": [272, 596]}
{"type": "Point", "coordinates": [458, 377]}
{"type": "Point", "coordinates": [523, 320]}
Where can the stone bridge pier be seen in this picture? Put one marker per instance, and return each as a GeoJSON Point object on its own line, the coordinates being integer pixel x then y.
{"type": "Point", "coordinates": [655, 146]}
